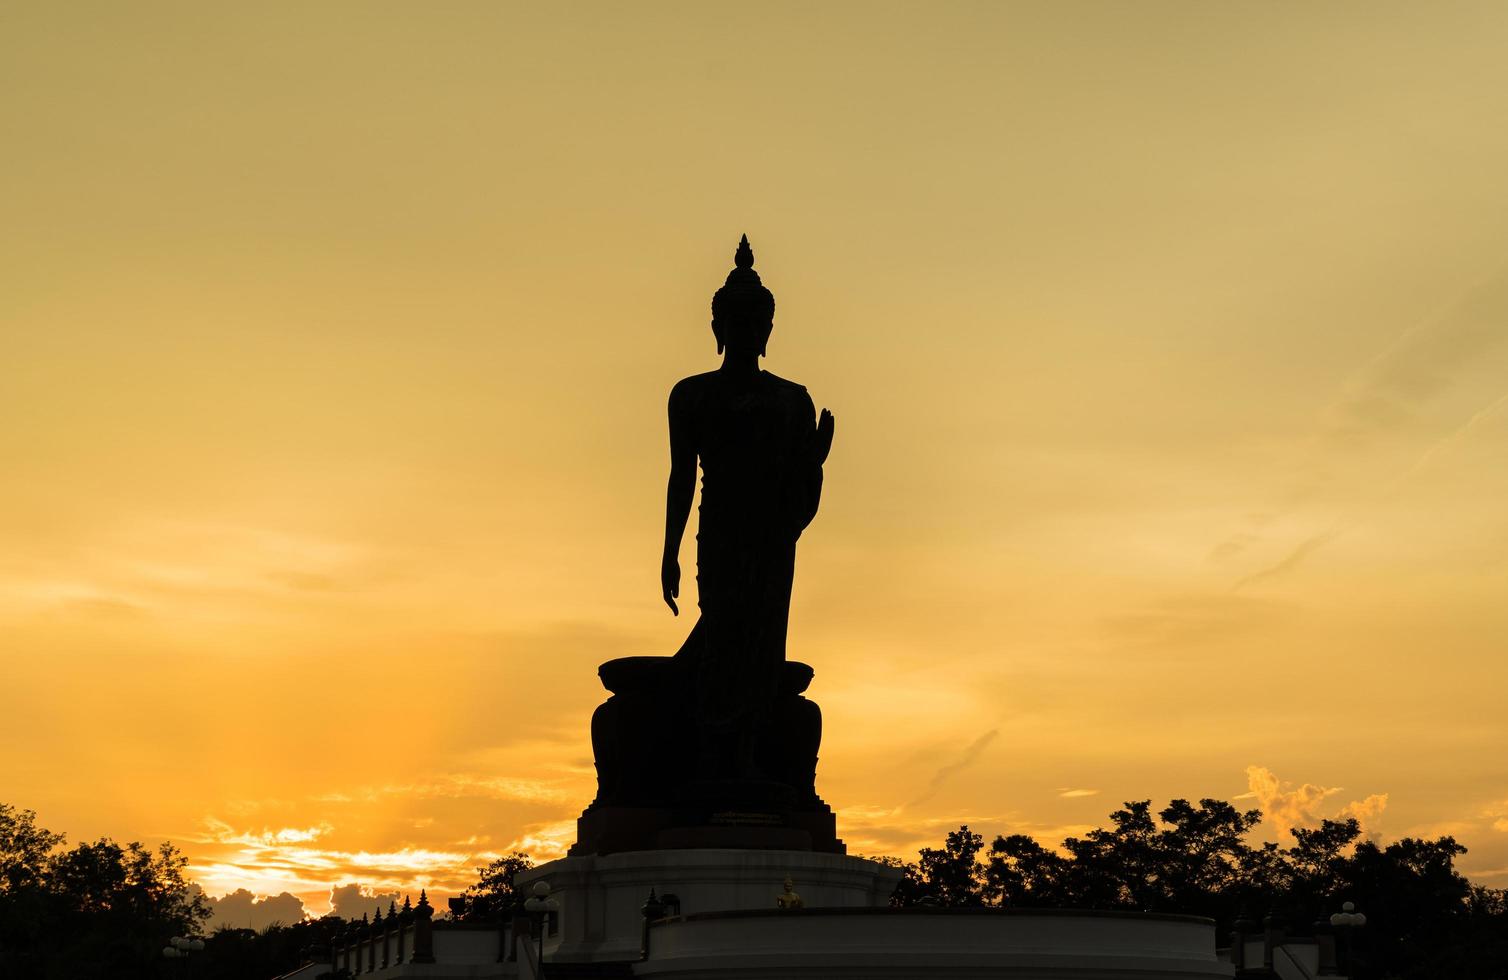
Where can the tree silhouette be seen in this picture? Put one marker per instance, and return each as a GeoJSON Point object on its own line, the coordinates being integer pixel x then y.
{"type": "Point", "coordinates": [1423, 917]}
{"type": "Point", "coordinates": [232, 953]}
{"type": "Point", "coordinates": [102, 909]}
{"type": "Point", "coordinates": [494, 896]}
{"type": "Point", "coordinates": [98, 909]}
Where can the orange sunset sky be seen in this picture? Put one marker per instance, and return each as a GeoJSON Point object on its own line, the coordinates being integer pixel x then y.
{"type": "Point", "coordinates": [1166, 339]}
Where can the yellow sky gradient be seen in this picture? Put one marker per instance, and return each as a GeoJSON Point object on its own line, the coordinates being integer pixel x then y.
{"type": "Point", "coordinates": [1167, 342]}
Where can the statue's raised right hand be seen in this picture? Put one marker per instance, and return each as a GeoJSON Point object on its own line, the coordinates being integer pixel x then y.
{"type": "Point", "coordinates": [824, 441]}
{"type": "Point", "coordinates": [670, 581]}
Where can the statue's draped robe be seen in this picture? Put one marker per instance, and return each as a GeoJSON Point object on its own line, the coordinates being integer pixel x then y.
{"type": "Point", "coordinates": [761, 483]}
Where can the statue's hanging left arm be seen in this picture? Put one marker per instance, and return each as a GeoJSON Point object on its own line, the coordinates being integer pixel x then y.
{"type": "Point", "coordinates": [679, 491]}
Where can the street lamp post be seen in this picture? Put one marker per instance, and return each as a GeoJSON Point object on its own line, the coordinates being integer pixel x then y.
{"type": "Point", "coordinates": [180, 948]}
{"type": "Point", "coordinates": [1345, 922]}
{"type": "Point", "coordinates": [539, 908]}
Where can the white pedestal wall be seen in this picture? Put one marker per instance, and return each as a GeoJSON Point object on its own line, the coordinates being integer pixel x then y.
{"type": "Point", "coordinates": [600, 896]}
{"type": "Point", "coordinates": [917, 944]}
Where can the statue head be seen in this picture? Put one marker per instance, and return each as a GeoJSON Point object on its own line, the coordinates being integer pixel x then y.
{"type": "Point", "coordinates": [743, 311]}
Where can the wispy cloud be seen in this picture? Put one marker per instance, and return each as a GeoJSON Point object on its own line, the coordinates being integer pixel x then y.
{"type": "Point", "coordinates": [1420, 364]}
{"type": "Point", "coordinates": [1497, 812]}
{"type": "Point", "coordinates": [220, 832]}
{"type": "Point", "coordinates": [1291, 560]}
{"type": "Point", "coordinates": [268, 862]}
{"type": "Point", "coordinates": [1490, 410]}
{"type": "Point", "coordinates": [1310, 545]}
{"type": "Point", "coordinates": [308, 859]}
{"type": "Point", "coordinates": [1189, 620]}
{"type": "Point", "coordinates": [458, 785]}
{"type": "Point", "coordinates": [1385, 396]}
{"type": "Point", "coordinates": [969, 756]}
{"type": "Point", "coordinates": [1071, 794]}
{"type": "Point", "coordinates": [545, 841]}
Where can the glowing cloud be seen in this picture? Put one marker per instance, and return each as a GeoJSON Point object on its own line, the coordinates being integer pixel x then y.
{"type": "Point", "coordinates": [1285, 806]}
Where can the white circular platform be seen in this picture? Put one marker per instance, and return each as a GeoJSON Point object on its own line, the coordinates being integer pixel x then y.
{"type": "Point", "coordinates": [913, 944]}
{"type": "Point", "coordinates": [600, 896]}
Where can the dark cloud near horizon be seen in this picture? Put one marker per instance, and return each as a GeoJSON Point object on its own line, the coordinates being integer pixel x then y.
{"type": "Point", "coordinates": [243, 910]}
{"type": "Point", "coordinates": [353, 901]}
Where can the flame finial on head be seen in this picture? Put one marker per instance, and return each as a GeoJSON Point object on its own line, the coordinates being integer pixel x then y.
{"type": "Point", "coordinates": [743, 290]}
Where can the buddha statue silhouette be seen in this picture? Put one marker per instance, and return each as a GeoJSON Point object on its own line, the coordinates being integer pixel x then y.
{"type": "Point", "coordinates": [761, 447]}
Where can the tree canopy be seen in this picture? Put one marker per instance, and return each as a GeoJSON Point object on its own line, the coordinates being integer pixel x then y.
{"type": "Point", "coordinates": [98, 909]}
{"type": "Point", "coordinates": [494, 896]}
{"type": "Point", "coordinates": [101, 909]}
{"type": "Point", "coordinates": [1424, 918]}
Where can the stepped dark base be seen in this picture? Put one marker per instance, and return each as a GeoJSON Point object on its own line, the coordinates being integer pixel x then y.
{"type": "Point", "coordinates": [667, 781]}
{"type": "Point", "coordinates": [611, 829]}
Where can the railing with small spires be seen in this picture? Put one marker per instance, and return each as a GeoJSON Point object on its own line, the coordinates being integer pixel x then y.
{"type": "Point", "coordinates": [400, 936]}
{"type": "Point", "coordinates": [404, 935]}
